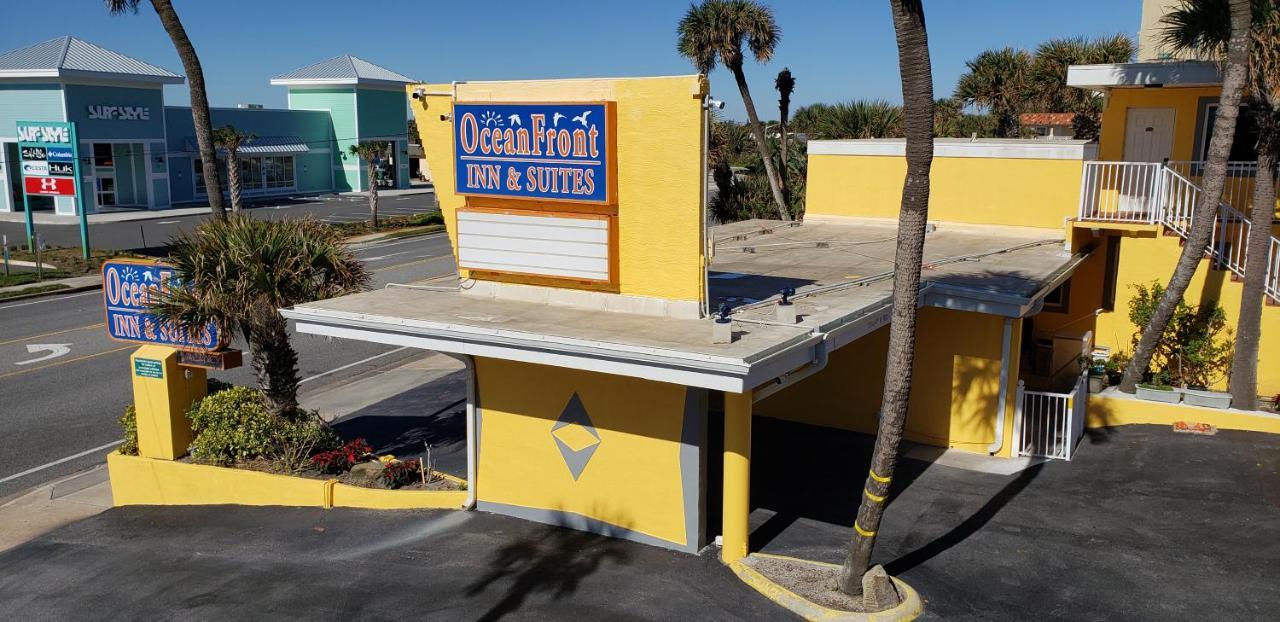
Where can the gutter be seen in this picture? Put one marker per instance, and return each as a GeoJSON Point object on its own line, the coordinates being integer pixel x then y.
{"type": "Point", "coordinates": [473, 426]}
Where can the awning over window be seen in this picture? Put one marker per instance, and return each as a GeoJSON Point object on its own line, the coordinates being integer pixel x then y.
{"type": "Point", "coordinates": [261, 145]}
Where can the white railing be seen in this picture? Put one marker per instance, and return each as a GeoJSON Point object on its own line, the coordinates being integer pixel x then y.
{"type": "Point", "coordinates": [1152, 193]}
{"type": "Point", "coordinates": [1048, 425]}
{"type": "Point", "coordinates": [1120, 191]}
{"type": "Point", "coordinates": [1237, 189]}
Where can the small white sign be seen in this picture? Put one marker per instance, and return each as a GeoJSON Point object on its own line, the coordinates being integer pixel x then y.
{"type": "Point", "coordinates": [39, 169]}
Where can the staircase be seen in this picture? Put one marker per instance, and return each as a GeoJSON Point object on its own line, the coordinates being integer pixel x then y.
{"type": "Point", "coordinates": [1164, 194]}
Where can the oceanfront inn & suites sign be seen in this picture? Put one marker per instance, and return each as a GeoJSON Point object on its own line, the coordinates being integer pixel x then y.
{"type": "Point", "coordinates": [561, 152]}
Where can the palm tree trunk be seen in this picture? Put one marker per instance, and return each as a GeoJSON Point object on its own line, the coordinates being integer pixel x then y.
{"type": "Point", "coordinates": [917, 99]}
{"type": "Point", "coordinates": [757, 130]}
{"type": "Point", "coordinates": [1206, 211]}
{"type": "Point", "coordinates": [782, 152]}
{"type": "Point", "coordinates": [275, 364]}
{"type": "Point", "coordinates": [1244, 365]}
{"type": "Point", "coordinates": [373, 196]}
{"type": "Point", "coordinates": [233, 179]}
{"type": "Point", "coordinates": [199, 102]}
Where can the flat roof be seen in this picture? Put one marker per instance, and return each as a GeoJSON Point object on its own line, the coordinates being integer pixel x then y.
{"type": "Point", "coordinates": [1015, 148]}
{"type": "Point", "coordinates": [1144, 75]}
{"type": "Point", "coordinates": [840, 268]}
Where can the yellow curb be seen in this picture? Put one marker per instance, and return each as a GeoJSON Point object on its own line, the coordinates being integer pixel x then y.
{"type": "Point", "coordinates": [909, 609]}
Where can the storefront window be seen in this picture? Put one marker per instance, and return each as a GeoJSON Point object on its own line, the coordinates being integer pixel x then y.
{"type": "Point", "coordinates": [197, 173]}
{"type": "Point", "coordinates": [102, 155]}
{"type": "Point", "coordinates": [278, 171]}
{"type": "Point", "coordinates": [251, 174]}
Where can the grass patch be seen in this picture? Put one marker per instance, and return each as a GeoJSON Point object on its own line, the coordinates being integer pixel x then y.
{"type": "Point", "coordinates": [22, 278]}
{"type": "Point", "coordinates": [391, 223]}
{"type": "Point", "coordinates": [67, 259]}
{"type": "Point", "coordinates": [33, 290]}
{"type": "Point", "coordinates": [412, 231]}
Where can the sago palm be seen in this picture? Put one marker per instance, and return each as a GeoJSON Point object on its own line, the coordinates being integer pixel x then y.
{"type": "Point", "coordinates": [238, 272]}
{"type": "Point", "coordinates": [999, 81]}
{"type": "Point", "coordinates": [1204, 26]}
{"type": "Point", "coordinates": [370, 152]}
{"type": "Point", "coordinates": [1235, 75]}
{"type": "Point", "coordinates": [231, 139]}
{"type": "Point", "coordinates": [195, 79]}
{"type": "Point", "coordinates": [712, 33]}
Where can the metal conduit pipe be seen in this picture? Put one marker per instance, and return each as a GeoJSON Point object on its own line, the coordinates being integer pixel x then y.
{"type": "Point", "coordinates": [820, 359]}
{"type": "Point", "coordinates": [1006, 355]}
{"type": "Point", "coordinates": [473, 425]}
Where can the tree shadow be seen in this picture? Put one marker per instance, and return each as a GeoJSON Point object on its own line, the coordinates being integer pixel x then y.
{"type": "Point", "coordinates": [552, 560]}
{"type": "Point", "coordinates": [970, 525]}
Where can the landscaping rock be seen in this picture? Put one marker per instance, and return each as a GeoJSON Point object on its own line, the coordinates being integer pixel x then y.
{"type": "Point", "coordinates": [878, 592]}
{"type": "Point", "coordinates": [366, 472]}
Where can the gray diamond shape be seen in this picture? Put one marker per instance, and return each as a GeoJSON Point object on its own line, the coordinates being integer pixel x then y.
{"type": "Point", "coordinates": [575, 412]}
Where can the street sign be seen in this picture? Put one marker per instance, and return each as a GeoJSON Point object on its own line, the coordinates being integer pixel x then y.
{"type": "Point", "coordinates": [129, 288]}
{"type": "Point", "coordinates": [558, 152]}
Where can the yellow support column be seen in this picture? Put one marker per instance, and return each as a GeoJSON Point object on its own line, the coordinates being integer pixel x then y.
{"type": "Point", "coordinates": [162, 393]}
{"type": "Point", "coordinates": [737, 477]}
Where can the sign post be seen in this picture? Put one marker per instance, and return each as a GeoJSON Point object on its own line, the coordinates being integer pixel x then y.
{"type": "Point", "coordinates": [51, 167]}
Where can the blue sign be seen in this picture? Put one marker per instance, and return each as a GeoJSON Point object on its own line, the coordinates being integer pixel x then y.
{"type": "Point", "coordinates": [61, 153]}
{"type": "Point", "coordinates": [557, 152]}
{"type": "Point", "coordinates": [128, 288]}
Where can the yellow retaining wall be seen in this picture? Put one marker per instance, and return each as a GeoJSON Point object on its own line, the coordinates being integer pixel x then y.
{"type": "Point", "coordinates": [1111, 409]}
{"type": "Point", "coordinates": [632, 481]}
{"type": "Point", "coordinates": [148, 481]}
{"type": "Point", "coordinates": [660, 188]}
{"type": "Point", "coordinates": [1005, 191]}
{"type": "Point", "coordinates": [954, 392]}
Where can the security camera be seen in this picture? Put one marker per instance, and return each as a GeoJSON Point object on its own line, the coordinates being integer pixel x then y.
{"type": "Point", "coordinates": [714, 103]}
{"type": "Point", "coordinates": [418, 93]}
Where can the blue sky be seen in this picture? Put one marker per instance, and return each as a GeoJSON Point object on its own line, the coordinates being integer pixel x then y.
{"type": "Point", "coordinates": [837, 50]}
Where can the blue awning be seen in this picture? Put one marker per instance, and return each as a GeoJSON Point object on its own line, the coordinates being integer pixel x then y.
{"type": "Point", "coordinates": [262, 145]}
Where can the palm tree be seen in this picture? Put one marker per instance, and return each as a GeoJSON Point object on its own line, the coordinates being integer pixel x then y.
{"type": "Point", "coordinates": [998, 80]}
{"type": "Point", "coordinates": [239, 272]}
{"type": "Point", "coordinates": [370, 151]}
{"type": "Point", "coordinates": [917, 103]}
{"type": "Point", "coordinates": [712, 33]}
{"type": "Point", "coordinates": [1048, 78]}
{"type": "Point", "coordinates": [231, 139]}
{"type": "Point", "coordinates": [860, 118]}
{"type": "Point", "coordinates": [1206, 210]}
{"type": "Point", "coordinates": [195, 80]}
{"type": "Point", "coordinates": [786, 85]}
{"type": "Point", "coordinates": [1204, 26]}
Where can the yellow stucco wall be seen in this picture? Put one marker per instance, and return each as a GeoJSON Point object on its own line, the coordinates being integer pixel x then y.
{"type": "Point", "coordinates": [659, 153]}
{"type": "Point", "coordinates": [1184, 101]}
{"type": "Point", "coordinates": [632, 481]}
{"type": "Point", "coordinates": [954, 392]}
{"type": "Point", "coordinates": [1006, 191]}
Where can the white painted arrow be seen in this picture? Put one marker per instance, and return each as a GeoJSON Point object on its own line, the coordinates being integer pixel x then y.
{"type": "Point", "coordinates": [55, 350]}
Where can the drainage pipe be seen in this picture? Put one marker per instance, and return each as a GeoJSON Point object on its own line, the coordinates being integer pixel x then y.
{"type": "Point", "coordinates": [473, 421]}
{"type": "Point", "coordinates": [1005, 358]}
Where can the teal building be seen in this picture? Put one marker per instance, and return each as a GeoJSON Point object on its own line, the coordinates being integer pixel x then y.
{"type": "Point", "coordinates": [136, 152]}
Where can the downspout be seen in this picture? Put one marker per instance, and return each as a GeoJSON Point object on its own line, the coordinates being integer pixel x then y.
{"type": "Point", "coordinates": [1006, 355]}
{"type": "Point", "coordinates": [473, 424]}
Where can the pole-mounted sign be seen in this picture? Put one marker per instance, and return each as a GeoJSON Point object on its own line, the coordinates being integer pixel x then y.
{"type": "Point", "coordinates": [129, 288]}
{"type": "Point", "coordinates": [560, 152]}
{"type": "Point", "coordinates": [51, 167]}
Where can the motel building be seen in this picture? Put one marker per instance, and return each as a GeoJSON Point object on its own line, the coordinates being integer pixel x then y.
{"type": "Point", "coordinates": [605, 395]}
{"type": "Point", "coordinates": [135, 152]}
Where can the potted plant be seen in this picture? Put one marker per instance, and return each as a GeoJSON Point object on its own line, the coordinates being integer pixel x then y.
{"type": "Point", "coordinates": [1159, 393]}
{"type": "Point", "coordinates": [1200, 396]}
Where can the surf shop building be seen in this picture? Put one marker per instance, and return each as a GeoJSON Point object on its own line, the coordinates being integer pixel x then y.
{"type": "Point", "coordinates": [134, 151]}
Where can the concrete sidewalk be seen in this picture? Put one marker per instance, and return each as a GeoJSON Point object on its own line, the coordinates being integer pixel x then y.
{"type": "Point", "coordinates": [54, 505]}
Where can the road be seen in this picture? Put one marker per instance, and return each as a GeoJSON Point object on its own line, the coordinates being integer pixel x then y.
{"type": "Point", "coordinates": [57, 408]}
{"type": "Point", "coordinates": [154, 233]}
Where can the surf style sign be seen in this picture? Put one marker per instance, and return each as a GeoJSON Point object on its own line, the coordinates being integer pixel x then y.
{"type": "Point", "coordinates": [550, 152]}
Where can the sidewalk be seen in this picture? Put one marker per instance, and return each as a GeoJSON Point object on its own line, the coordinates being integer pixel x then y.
{"type": "Point", "coordinates": [53, 505]}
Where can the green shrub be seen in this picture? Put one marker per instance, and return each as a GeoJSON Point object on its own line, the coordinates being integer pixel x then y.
{"type": "Point", "coordinates": [1196, 347]}
{"type": "Point", "coordinates": [129, 427]}
{"type": "Point", "coordinates": [430, 218]}
{"type": "Point", "coordinates": [234, 425]}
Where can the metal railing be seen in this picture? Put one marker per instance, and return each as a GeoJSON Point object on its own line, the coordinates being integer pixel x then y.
{"type": "Point", "coordinates": [1237, 191]}
{"type": "Point", "coordinates": [1153, 193]}
{"type": "Point", "coordinates": [1049, 425]}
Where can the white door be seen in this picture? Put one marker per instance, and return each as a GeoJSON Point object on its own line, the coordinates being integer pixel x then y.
{"type": "Point", "coordinates": [1148, 135]}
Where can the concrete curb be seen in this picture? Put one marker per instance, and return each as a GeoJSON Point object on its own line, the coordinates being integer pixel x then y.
{"type": "Point", "coordinates": [910, 608]}
{"type": "Point", "coordinates": [364, 241]}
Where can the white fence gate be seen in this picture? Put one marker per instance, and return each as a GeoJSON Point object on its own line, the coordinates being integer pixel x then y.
{"type": "Point", "coordinates": [1048, 425]}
